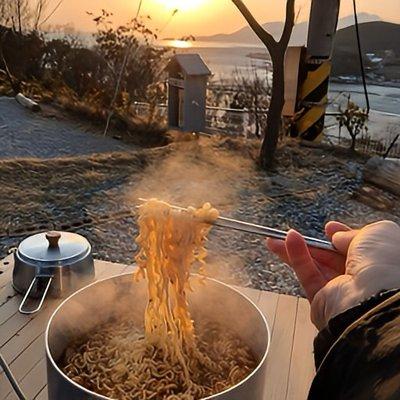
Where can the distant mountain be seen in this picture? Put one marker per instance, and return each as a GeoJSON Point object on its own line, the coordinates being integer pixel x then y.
{"type": "Point", "coordinates": [381, 39]}
{"type": "Point", "coordinates": [299, 35]}
{"type": "Point", "coordinates": [375, 38]}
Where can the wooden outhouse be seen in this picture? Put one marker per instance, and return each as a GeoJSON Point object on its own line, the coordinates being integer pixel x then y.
{"type": "Point", "coordinates": [187, 86]}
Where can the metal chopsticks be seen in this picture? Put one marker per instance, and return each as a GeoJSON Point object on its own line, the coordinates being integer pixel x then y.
{"type": "Point", "coordinates": [269, 232]}
{"type": "Point", "coordinates": [265, 231]}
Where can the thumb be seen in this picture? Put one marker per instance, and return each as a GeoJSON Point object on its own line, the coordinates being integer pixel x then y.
{"type": "Point", "coordinates": [342, 240]}
{"type": "Point", "coordinates": [333, 227]}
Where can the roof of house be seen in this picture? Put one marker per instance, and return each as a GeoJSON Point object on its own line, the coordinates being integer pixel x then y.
{"type": "Point", "coordinates": [191, 64]}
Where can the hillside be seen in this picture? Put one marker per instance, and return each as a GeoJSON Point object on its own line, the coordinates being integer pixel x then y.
{"type": "Point", "coordinates": [380, 45]}
{"type": "Point", "coordinates": [375, 37]}
{"type": "Point", "coordinates": [299, 37]}
{"type": "Point", "coordinates": [381, 40]}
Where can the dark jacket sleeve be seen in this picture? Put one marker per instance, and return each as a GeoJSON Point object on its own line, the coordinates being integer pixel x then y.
{"type": "Point", "coordinates": [358, 355]}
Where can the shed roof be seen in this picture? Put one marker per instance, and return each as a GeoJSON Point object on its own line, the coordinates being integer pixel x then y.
{"type": "Point", "coordinates": [191, 64]}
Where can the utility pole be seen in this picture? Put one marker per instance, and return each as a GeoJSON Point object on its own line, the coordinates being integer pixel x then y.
{"type": "Point", "coordinates": [322, 27]}
{"type": "Point", "coordinates": [314, 70]}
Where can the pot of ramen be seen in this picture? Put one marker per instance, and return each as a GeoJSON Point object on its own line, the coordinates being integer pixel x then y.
{"type": "Point", "coordinates": [95, 347]}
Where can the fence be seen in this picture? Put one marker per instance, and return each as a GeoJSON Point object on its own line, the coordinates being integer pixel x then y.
{"type": "Point", "coordinates": [229, 120]}
{"type": "Point", "coordinates": [388, 147]}
{"type": "Point", "coordinates": [225, 120]}
{"type": "Point", "coordinates": [240, 122]}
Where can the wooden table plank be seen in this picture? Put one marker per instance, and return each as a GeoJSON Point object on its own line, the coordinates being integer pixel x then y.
{"type": "Point", "coordinates": [6, 294]}
{"type": "Point", "coordinates": [302, 369]}
{"type": "Point", "coordinates": [278, 366]}
{"type": "Point", "coordinates": [18, 342]}
{"type": "Point", "coordinates": [19, 347]}
{"type": "Point", "coordinates": [290, 365]}
{"type": "Point", "coordinates": [34, 382]}
{"type": "Point", "coordinates": [23, 364]}
{"type": "Point", "coordinates": [7, 310]}
{"type": "Point", "coordinates": [13, 325]}
{"type": "Point", "coordinates": [16, 322]}
{"type": "Point", "coordinates": [6, 270]}
{"type": "Point", "coordinates": [253, 294]}
{"type": "Point", "coordinates": [42, 395]}
{"type": "Point", "coordinates": [267, 304]}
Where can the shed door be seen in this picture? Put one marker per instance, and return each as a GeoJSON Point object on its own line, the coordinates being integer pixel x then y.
{"type": "Point", "coordinates": [181, 107]}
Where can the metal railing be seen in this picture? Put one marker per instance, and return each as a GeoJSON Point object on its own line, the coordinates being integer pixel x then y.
{"type": "Point", "coordinates": [238, 122]}
{"type": "Point", "coordinates": [388, 147]}
{"type": "Point", "coordinates": [227, 120]}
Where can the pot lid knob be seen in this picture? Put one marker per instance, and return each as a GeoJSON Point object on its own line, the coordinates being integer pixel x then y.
{"type": "Point", "coordinates": [53, 237]}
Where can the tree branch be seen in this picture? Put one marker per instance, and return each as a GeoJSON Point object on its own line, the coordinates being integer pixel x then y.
{"type": "Point", "coordinates": [263, 35]}
{"type": "Point", "coordinates": [57, 6]}
{"type": "Point", "coordinates": [289, 23]}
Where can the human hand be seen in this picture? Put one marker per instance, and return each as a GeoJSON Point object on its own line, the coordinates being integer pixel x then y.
{"type": "Point", "coordinates": [367, 262]}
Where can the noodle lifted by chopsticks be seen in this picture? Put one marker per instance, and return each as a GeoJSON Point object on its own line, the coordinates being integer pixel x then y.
{"type": "Point", "coordinates": [170, 361]}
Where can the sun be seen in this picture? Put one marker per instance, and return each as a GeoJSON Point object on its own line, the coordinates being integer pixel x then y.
{"type": "Point", "coordinates": [181, 5]}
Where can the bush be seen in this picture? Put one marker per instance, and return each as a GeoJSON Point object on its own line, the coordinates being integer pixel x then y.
{"type": "Point", "coordinates": [90, 74]}
{"type": "Point", "coordinates": [23, 53]}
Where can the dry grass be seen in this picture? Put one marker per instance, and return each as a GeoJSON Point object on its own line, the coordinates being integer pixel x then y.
{"type": "Point", "coordinates": [32, 188]}
{"type": "Point", "coordinates": [186, 172]}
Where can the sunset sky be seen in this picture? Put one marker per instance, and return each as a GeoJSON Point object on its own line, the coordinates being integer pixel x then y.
{"type": "Point", "coordinates": [204, 17]}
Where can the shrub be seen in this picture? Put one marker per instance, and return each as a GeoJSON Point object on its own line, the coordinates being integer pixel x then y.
{"type": "Point", "coordinates": [91, 73]}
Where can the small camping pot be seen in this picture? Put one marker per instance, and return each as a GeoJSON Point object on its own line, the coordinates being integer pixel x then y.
{"type": "Point", "coordinates": [90, 307]}
{"type": "Point", "coordinates": [57, 263]}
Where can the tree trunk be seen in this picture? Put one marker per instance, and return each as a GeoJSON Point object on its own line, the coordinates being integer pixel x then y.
{"type": "Point", "coordinates": [353, 141]}
{"type": "Point", "coordinates": [277, 50]}
{"type": "Point", "coordinates": [19, 16]}
{"type": "Point", "coordinates": [256, 116]}
{"type": "Point", "coordinates": [274, 116]}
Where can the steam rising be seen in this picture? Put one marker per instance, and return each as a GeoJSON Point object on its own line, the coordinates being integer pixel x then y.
{"type": "Point", "coordinates": [196, 172]}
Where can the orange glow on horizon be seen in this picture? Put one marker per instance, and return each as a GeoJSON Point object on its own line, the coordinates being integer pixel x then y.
{"type": "Point", "coordinates": [181, 5]}
{"type": "Point", "coordinates": [179, 44]}
{"type": "Point", "coordinates": [201, 17]}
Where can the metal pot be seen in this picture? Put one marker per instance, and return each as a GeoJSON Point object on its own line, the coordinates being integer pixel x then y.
{"type": "Point", "coordinates": [89, 307]}
{"type": "Point", "coordinates": [53, 262]}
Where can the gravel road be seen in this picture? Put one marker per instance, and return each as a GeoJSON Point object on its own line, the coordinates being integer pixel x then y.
{"type": "Point", "coordinates": [26, 134]}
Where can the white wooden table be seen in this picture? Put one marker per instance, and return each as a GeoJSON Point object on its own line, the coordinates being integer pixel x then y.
{"type": "Point", "coordinates": [290, 361]}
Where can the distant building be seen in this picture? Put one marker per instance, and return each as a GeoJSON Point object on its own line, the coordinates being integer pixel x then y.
{"type": "Point", "coordinates": [374, 58]}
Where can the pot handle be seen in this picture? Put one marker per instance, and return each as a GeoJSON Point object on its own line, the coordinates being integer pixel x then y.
{"type": "Point", "coordinates": [12, 379]}
{"type": "Point", "coordinates": [22, 310]}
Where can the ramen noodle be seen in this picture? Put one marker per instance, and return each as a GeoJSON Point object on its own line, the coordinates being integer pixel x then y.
{"type": "Point", "coordinates": [166, 356]}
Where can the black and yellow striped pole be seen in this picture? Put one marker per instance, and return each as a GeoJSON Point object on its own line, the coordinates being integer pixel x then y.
{"type": "Point", "coordinates": [314, 71]}
{"type": "Point", "coordinates": [313, 99]}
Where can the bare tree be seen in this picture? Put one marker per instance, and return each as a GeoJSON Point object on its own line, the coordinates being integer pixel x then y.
{"type": "Point", "coordinates": [12, 13]}
{"type": "Point", "coordinates": [5, 12]}
{"type": "Point", "coordinates": [277, 50]}
{"type": "Point", "coordinates": [38, 13]}
{"type": "Point", "coordinates": [24, 15]}
{"type": "Point", "coordinates": [252, 92]}
{"type": "Point", "coordinates": [41, 19]}
{"type": "Point", "coordinates": [19, 15]}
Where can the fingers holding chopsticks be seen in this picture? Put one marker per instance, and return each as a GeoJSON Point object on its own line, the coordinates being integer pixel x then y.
{"type": "Point", "coordinates": [314, 267]}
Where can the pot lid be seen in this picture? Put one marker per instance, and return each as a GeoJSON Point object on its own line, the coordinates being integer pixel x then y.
{"type": "Point", "coordinates": [60, 248]}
